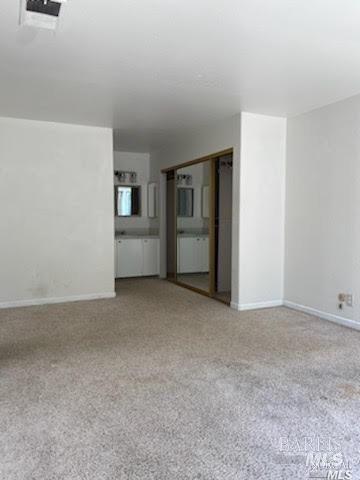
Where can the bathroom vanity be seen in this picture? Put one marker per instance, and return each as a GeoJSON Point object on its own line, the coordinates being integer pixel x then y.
{"type": "Point", "coordinates": [136, 256]}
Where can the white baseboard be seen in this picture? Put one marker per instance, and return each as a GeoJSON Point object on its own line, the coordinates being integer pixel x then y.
{"type": "Point", "coordinates": [256, 306]}
{"type": "Point", "coordinates": [52, 300]}
{"type": "Point", "coordinates": [346, 322]}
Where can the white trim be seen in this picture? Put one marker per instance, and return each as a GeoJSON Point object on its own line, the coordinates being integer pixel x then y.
{"type": "Point", "coordinates": [345, 322]}
{"type": "Point", "coordinates": [257, 306]}
{"type": "Point", "coordinates": [51, 300]}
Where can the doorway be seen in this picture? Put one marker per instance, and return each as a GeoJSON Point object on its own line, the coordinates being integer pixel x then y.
{"type": "Point", "coordinates": [199, 225]}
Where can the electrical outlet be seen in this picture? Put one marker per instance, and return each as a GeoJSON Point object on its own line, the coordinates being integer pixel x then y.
{"type": "Point", "coordinates": [342, 297]}
{"type": "Point", "coordinates": [349, 300]}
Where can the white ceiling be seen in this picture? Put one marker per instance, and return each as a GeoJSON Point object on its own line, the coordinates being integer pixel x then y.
{"type": "Point", "coordinates": [149, 67]}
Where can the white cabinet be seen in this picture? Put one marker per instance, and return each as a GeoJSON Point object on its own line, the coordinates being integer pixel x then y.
{"type": "Point", "coordinates": [136, 257]}
{"type": "Point", "coordinates": [186, 255]}
{"type": "Point", "coordinates": [129, 258]}
{"type": "Point", "coordinates": [150, 256]}
{"type": "Point", "coordinates": [193, 254]}
{"type": "Point", "coordinates": [205, 254]}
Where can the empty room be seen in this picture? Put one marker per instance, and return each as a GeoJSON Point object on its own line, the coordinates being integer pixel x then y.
{"type": "Point", "coordinates": [179, 240]}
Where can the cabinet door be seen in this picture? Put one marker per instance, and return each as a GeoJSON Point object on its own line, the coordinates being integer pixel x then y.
{"type": "Point", "coordinates": [150, 256]}
{"type": "Point", "coordinates": [205, 254]}
{"type": "Point", "coordinates": [129, 258]}
{"type": "Point", "coordinates": [185, 255]}
{"type": "Point", "coordinates": [178, 256]}
{"type": "Point", "coordinates": [198, 255]}
{"type": "Point", "coordinates": [115, 260]}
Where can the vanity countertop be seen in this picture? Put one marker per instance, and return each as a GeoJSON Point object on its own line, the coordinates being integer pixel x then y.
{"type": "Point", "coordinates": [192, 235]}
{"type": "Point", "coordinates": [119, 236]}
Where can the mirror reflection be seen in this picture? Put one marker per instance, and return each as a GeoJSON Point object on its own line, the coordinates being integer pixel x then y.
{"type": "Point", "coordinates": [193, 200]}
{"type": "Point", "coordinates": [127, 200]}
{"type": "Point", "coordinates": [185, 202]}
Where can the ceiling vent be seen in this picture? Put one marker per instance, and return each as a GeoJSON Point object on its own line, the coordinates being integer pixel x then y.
{"type": "Point", "coordinates": [40, 13]}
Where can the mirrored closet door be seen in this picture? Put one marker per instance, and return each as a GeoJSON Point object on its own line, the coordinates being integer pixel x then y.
{"type": "Point", "coordinates": [199, 225]}
{"type": "Point", "coordinates": [193, 199]}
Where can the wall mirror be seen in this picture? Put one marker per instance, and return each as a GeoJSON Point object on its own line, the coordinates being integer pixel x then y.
{"type": "Point", "coordinates": [193, 226]}
{"type": "Point", "coordinates": [185, 202]}
{"type": "Point", "coordinates": [127, 201]}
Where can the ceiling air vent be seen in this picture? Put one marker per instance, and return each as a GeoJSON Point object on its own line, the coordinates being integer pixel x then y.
{"type": "Point", "coordinates": [40, 13]}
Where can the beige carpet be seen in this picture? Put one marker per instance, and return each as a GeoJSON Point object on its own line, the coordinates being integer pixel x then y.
{"type": "Point", "coordinates": [161, 383]}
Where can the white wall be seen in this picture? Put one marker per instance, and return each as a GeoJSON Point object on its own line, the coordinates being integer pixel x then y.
{"type": "Point", "coordinates": [197, 144]}
{"type": "Point", "coordinates": [322, 214]}
{"type": "Point", "coordinates": [262, 207]}
{"type": "Point", "coordinates": [56, 210]}
{"type": "Point", "coordinates": [139, 163]}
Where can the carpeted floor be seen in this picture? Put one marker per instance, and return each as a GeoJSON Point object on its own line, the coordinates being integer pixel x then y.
{"type": "Point", "coordinates": [161, 383]}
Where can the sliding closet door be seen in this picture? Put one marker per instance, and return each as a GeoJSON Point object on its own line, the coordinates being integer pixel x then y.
{"type": "Point", "coordinates": [199, 223]}
{"type": "Point", "coordinates": [193, 226]}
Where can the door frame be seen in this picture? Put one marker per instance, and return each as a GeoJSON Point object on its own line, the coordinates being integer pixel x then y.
{"type": "Point", "coordinates": [212, 228]}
